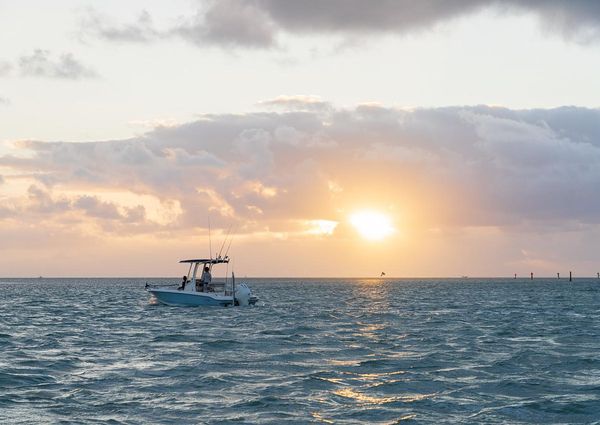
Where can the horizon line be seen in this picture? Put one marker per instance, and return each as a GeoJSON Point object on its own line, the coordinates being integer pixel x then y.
{"type": "Point", "coordinates": [311, 277]}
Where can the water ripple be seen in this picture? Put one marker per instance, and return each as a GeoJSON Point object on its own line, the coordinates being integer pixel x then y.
{"type": "Point", "coordinates": [314, 351]}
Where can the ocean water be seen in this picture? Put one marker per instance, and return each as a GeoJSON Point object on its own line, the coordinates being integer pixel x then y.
{"type": "Point", "coordinates": [313, 351]}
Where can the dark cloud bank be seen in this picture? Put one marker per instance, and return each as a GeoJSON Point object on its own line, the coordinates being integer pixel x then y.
{"type": "Point", "coordinates": [256, 23]}
{"type": "Point", "coordinates": [473, 166]}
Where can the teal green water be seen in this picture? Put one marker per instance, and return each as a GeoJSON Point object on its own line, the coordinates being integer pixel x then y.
{"type": "Point", "coordinates": [331, 351]}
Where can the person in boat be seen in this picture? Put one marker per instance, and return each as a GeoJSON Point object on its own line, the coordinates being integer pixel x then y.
{"type": "Point", "coordinates": [205, 279]}
{"type": "Point", "coordinates": [183, 282]}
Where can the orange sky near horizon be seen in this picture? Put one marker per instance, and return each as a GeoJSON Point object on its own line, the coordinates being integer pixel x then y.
{"type": "Point", "coordinates": [345, 193]}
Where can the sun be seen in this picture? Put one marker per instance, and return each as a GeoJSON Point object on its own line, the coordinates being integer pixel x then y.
{"type": "Point", "coordinates": [372, 225]}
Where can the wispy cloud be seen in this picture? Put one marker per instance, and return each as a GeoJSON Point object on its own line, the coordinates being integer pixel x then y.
{"type": "Point", "coordinates": [5, 68]}
{"type": "Point", "coordinates": [296, 103]}
{"type": "Point", "coordinates": [41, 63]}
{"type": "Point", "coordinates": [142, 30]}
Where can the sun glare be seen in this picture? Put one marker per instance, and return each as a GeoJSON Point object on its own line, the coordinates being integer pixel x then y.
{"type": "Point", "coordinates": [372, 225]}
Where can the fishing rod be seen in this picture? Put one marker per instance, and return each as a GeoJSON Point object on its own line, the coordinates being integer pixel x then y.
{"type": "Point", "coordinates": [209, 240]}
{"type": "Point", "coordinates": [229, 246]}
{"type": "Point", "coordinates": [224, 240]}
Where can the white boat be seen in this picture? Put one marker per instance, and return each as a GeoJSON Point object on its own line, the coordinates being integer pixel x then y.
{"type": "Point", "coordinates": [203, 291]}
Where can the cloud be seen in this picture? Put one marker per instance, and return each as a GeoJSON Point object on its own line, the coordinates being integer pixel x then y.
{"type": "Point", "coordinates": [464, 185]}
{"type": "Point", "coordinates": [577, 20]}
{"type": "Point", "coordinates": [258, 23]}
{"type": "Point", "coordinates": [226, 23]}
{"type": "Point", "coordinates": [140, 31]}
{"type": "Point", "coordinates": [296, 103]}
{"type": "Point", "coordinates": [229, 23]}
{"type": "Point", "coordinates": [41, 64]}
{"type": "Point", "coordinates": [333, 16]}
{"type": "Point", "coordinates": [96, 208]}
{"type": "Point", "coordinates": [5, 68]}
{"type": "Point", "coordinates": [42, 204]}
{"type": "Point", "coordinates": [455, 167]}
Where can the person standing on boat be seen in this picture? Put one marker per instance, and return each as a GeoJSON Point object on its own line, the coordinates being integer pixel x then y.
{"type": "Point", "coordinates": [183, 282]}
{"type": "Point", "coordinates": [206, 278]}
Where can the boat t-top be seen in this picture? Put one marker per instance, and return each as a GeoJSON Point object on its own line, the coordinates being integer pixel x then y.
{"type": "Point", "coordinates": [198, 289]}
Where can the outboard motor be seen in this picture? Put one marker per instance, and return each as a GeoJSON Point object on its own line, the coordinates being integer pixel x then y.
{"type": "Point", "coordinates": [242, 294]}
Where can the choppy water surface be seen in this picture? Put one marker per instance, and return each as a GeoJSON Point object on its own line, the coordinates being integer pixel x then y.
{"type": "Point", "coordinates": [332, 351]}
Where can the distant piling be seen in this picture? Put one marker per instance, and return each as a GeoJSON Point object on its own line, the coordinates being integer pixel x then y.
{"type": "Point", "coordinates": [531, 275]}
{"type": "Point", "coordinates": [558, 275]}
{"type": "Point", "coordinates": [570, 276]}
{"type": "Point", "coordinates": [598, 275]}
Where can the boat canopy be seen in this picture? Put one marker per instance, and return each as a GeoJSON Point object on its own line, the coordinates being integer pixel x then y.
{"type": "Point", "coordinates": [207, 260]}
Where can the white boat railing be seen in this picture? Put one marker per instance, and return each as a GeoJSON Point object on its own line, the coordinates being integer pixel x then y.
{"type": "Point", "coordinates": [215, 287]}
{"type": "Point", "coordinates": [161, 285]}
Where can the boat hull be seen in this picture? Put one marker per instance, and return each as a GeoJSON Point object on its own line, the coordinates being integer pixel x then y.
{"type": "Point", "coordinates": [192, 299]}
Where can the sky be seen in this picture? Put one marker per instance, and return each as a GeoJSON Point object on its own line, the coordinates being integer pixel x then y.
{"type": "Point", "coordinates": [322, 138]}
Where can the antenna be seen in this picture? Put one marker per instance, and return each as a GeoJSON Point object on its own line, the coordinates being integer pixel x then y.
{"type": "Point", "coordinates": [233, 286]}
